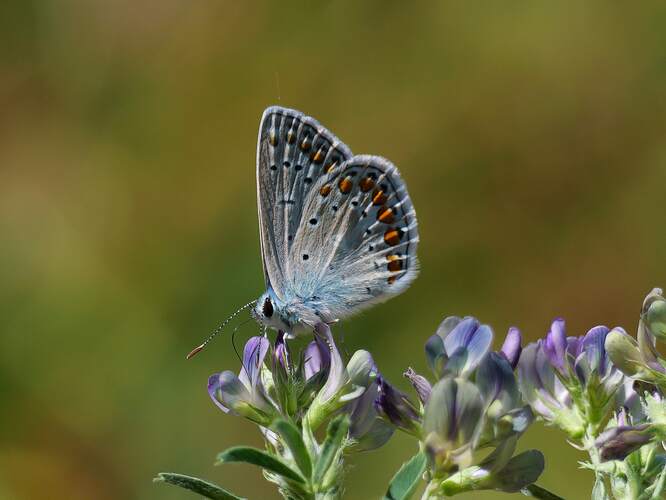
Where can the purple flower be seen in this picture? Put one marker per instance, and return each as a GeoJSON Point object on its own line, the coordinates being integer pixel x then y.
{"type": "Point", "coordinates": [474, 405]}
{"type": "Point", "coordinates": [544, 391]}
{"type": "Point", "coordinates": [420, 385]}
{"type": "Point", "coordinates": [452, 423]}
{"type": "Point", "coordinates": [569, 380]}
{"type": "Point", "coordinates": [458, 346]}
{"type": "Point", "coordinates": [555, 345]}
{"type": "Point", "coordinates": [396, 407]}
{"type": "Point", "coordinates": [282, 367]}
{"type": "Point", "coordinates": [636, 423]}
{"type": "Point", "coordinates": [512, 347]}
{"type": "Point", "coordinates": [336, 372]}
{"type": "Point", "coordinates": [618, 442]}
{"type": "Point", "coordinates": [506, 415]}
{"type": "Point", "coordinates": [497, 382]}
{"type": "Point", "coordinates": [368, 430]}
{"type": "Point", "coordinates": [342, 384]}
{"type": "Point", "coordinates": [316, 358]}
{"type": "Point", "coordinates": [244, 394]}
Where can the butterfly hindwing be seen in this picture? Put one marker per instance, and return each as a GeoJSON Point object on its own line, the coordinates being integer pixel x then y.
{"type": "Point", "coordinates": [359, 233]}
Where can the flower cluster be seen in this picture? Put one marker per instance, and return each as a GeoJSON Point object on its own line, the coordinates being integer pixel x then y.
{"type": "Point", "coordinates": [605, 390]}
{"type": "Point", "coordinates": [569, 381]}
{"type": "Point", "coordinates": [290, 400]}
{"type": "Point", "coordinates": [634, 442]}
{"type": "Point", "coordinates": [469, 421]}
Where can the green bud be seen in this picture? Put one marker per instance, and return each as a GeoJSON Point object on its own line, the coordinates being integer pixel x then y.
{"type": "Point", "coordinates": [360, 368]}
{"type": "Point", "coordinates": [624, 352]}
{"type": "Point", "coordinates": [655, 317]}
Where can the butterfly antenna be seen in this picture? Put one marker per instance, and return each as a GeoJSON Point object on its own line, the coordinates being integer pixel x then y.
{"type": "Point", "coordinates": [200, 348]}
{"type": "Point", "coordinates": [233, 339]}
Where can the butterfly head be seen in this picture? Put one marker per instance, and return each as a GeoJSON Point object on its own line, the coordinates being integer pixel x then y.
{"type": "Point", "coordinates": [269, 311]}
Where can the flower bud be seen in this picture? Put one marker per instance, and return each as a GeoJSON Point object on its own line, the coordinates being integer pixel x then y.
{"type": "Point", "coordinates": [368, 430]}
{"type": "Point", "coordinates": [282, 368]}
{"type": "Point", "coordinates": [458, 346]}
{"type": "Point", "coordinates": [231, 395]}
{"type": "Point", "coordinates": [623, 352]}
{"type": "Point", "coordinates": [512, 348]}
{"type": "Point", "coordinates": [316, 358]}
{"type": "Point", "coordinates": [360, 368]}
{"type": "Point", "coordinates": [618, 442]}
{"type": "Point", "coordinates": [655, 314]}
{"type": "Point", "coordinates": [396, 407]}
{"type": "Point", "coordinates": [420, 384]}
{"type": "Point", "coordinates": [451, 422]}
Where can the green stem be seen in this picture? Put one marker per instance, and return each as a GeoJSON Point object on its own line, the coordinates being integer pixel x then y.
{"type": "Point", "coordinates": [429, 491]}
{"type": "Point", "coordinates": [588, 441]}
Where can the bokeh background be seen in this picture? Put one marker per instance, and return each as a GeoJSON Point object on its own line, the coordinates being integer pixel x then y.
{"type": "Point", "coordinates": [532, 136]}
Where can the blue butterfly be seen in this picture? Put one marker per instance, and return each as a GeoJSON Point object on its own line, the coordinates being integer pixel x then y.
{"type": "Point", "coordinates": [338, 231]}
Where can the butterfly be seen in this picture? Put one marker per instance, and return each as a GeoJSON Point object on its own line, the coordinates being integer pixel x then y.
{"type": "Point", "coordinates": [338, 231]}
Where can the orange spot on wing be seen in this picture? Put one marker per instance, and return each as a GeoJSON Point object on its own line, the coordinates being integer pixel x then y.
{"type": "Point", "coordinates": [291, 137]}
{"type": "Point", "coordinates": [378, 197]}
{"type": "Point", "coordinates": [392, 237]}
{"type": "Point", "coordinates": [385, 215]}
{"type": "Point", "coordinates": [318, 157]}
{"type": "Point", "coordinates": [345, 185]}
{"type": "Point", "coordinates": [391, 279]}
{"type": "Point", "coordinates": [394, 263]}
{"type": "Point", "coordinates": [366, 184]}
{"type": "Point", "coordinates": [330, 167]}
{"type": "Point", "coordinates": [325, 190]}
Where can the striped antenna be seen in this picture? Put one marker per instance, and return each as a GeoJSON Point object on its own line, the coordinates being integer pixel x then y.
{"type": "Point", "coordinates": [200, 348]}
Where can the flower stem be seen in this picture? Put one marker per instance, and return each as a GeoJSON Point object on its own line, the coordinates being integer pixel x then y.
{"type": "Point", "coordinates": [593, 452]}
{"type": "Point", "coordinates": [429, 492]}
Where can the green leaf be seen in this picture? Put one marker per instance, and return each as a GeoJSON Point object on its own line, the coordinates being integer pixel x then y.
{"type": "Point", "coordinates": [521, 471]}
{"type": "Point", "coordinates": [260, 459]}
{"type": "Point", "coordinates": [292, 436]}
{"type": "Point", "coordinates": [659, 486]}
{"type": "Point", "coordinates": [532, 490]}
{"type": "Point", "coordinates": [196, 485]}
{"type": "Point", "coordinates": [406, 480]}
{"type": "Point", "coordinates": [337, 430]}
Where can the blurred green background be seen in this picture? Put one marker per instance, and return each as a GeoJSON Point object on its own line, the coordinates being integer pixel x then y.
{"type": "Point", "coordinates": [531, 135]}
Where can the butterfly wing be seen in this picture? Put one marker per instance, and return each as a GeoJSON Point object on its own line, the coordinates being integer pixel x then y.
{"type": "Point", "coordinates": [293, 152]}
{"type": "Point", "coordinates": [338, 232]}
{"type": "Point", "coordinates": [359, 233]}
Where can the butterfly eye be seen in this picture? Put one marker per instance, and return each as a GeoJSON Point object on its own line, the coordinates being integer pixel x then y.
{"type": "Point", "coordinates": [268, 308]}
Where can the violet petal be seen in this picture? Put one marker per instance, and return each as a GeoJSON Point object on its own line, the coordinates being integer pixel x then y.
{"type": "Point", "coordinates": [253, 357]}
{"type": "Point", "coordinates": [420, 384]}
{"type": "Point", "coordinates": [512, 346]}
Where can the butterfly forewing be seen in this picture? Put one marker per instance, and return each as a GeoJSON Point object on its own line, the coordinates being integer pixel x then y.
{"type": "Point", "coordinates": [338, 232]}
{"type": "Point", "coordinates": [293, 152]}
